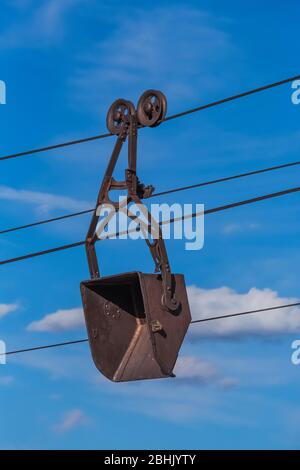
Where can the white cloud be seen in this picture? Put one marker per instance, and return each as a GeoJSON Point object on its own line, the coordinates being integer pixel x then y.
{"type": "Point", "coordinates": [5, 309]}
{"type": "Point", "coordinates": [207, 303]}
{"type": "Point", "coordinates": [61, 320]}
{"type": "Point", "coordinates": [41, 26]}
{"type": "Point", "coordinates": [178, 49]}
{"type": "Point", "coordinates": [71, 420]}
{"type": "Point", "coordinates": [43, 202]}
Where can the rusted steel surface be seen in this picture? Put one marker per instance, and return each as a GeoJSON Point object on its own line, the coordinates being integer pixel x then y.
{"type": "Point", "coordinates": [132, 336]}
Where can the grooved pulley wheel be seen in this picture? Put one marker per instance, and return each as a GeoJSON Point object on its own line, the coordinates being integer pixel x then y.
{"type": "Point", "coordinates": [118, 114]}
{"type": "Point", "coordinates": [152, 108]}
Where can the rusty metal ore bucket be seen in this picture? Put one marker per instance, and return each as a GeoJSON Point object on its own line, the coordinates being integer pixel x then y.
{"type": "Point", "coordinates": [132, 336]}
{"type": "Point", "coordinates": [136, 322]}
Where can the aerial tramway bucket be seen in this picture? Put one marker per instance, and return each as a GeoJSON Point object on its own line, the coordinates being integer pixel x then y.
{"type": "Point", "coordinates": [132, 336]}
{"type": "Point", "coordinates": [136, 322]}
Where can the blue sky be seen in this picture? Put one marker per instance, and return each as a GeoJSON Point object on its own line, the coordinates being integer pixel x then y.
{"type": "Point", "coordinates": [64, 62]}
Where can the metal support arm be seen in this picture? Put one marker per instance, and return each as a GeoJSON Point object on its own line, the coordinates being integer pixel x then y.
{"type": "Point", "coordinates": [124, 120]}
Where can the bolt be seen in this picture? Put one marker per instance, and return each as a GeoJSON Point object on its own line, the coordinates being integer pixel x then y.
{"type": "Point", "coordinates": [156, 326]}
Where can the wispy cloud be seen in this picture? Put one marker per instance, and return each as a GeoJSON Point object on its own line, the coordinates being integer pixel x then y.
{"type": "Point", "coordinates": [179, 400]}
{"type": "Point", "coordinates": [233, 228]}
{"type": "Point", "coordinates": [42, 202]}
{"type": "Point", "coordinates": [6, 380]}
{"type": "Point", "coordinates": [42, 25]}
{"type": "Point", "coordinates": [192, 370]}
{"type": "Point", "coordinates": [178, 49]}
{"type": "Point", "coordinates": [5, 309]}
{"type": "Point", "coordinates": [72, 419]}
{"type": "Point", "coordinates": [198, 394]}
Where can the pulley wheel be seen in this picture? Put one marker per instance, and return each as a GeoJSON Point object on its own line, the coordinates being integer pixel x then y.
{"type": "Point", "coordinates": [118, 114]}
{"type": "Point", "coordinates": [152, 108]}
